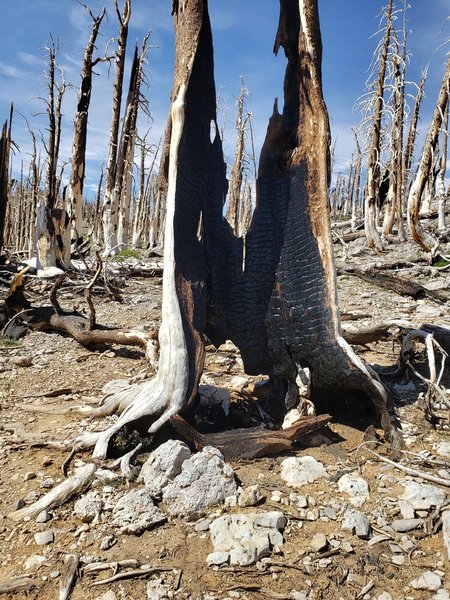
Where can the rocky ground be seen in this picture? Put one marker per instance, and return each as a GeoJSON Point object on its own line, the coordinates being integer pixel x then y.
{"type": "Point", "coordinates": [324, 522]}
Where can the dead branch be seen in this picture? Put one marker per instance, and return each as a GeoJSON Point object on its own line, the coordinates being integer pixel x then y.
{"type": "Point", "coordinates": [21, 583]}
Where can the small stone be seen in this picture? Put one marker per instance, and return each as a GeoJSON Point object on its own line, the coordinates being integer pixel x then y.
{"type": "Point", "coordinates": [136, 512]}
{"type": "Point", "coordinates": [441, 594]}
{"type": "Point", "coordinates": [48, 483]}
{"type": "Point", "coordinates": [202, 525]}
{"type": "Point", "coordinates": [43, 517]}
{"type": "Point", "coordinates": [403, 525]}
{"type": "Point", "coordinates": [18, 504]}
{"type": "Point", "coordinates": [329, 513]}
{"type": "Point", "coordinates": [312, 515]}
{"type": "Point", "coordinates": [427, 581]}
{"type": "Point", "coordinates": [34, 561]}
{"type": "Point", "coordinates": [384, 596]}
{"type": "Point", "coordinates": [318, 542]}
{"type": "Point", "coordinates": [109, 595]}
{"type": "Point", "coordinates": [300, 471]}
{"type": "Point", "coordinates": [398, 559]}
{"type": "Point", "coordinates": [107, 542]}
{"type": "Point", "coordinates": [89, 507]}
{"type": "Point", "coordinates": [54, 574]}
{"type": "Point", "coordinates": [42, 538]}
{"type": "Point", "coordinates": [163, 465]}
{"type": "Point", "coordinates": [249, 496]}
{"type": "Point", "coordinates": [356, 487]}
{"type": "Point", "coordinates": [217, 558]}
{"type": "Point", "coordinates": [407, 509]}
{"type": "Point", "coordinates": [29, 475]}
{"type": "Point", "coordinates": [356, 522]}
{"type": "Point", "coordinates": [21, 361]}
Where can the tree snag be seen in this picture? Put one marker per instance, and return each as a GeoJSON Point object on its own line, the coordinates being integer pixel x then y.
{"type": "Point", "coordinates": [425, 240]}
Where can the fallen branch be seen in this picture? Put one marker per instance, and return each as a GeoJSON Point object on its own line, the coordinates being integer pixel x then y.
{"type": "Point", "coordinates": [132, 574]}
{"type": "Point", "coordinates": [252, 442]}
{"type": "Point", "coordinates": [21, 583]}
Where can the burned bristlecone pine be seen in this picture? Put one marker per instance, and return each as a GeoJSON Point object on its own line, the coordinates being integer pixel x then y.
{"type": "Point", "coordinates": [277, 301]}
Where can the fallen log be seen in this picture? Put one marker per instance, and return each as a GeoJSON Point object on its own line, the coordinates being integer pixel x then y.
{"type": "Point", "coordinates": [252, 442]}
{"type": "Point", "coordinates": [21, 583]}
{"type": "Point", "coordinates": [396, 283]}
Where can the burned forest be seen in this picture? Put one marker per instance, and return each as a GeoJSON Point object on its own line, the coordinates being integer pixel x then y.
{"type": "Point", "coordinates": [224, 348]}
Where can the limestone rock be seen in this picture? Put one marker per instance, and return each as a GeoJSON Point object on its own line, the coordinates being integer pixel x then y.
{"type": "Point", "coordinates": [247, 538]}
{"type": "Point", "coordinates": [249, 496]}
{"type": "Point", "coordinates": [42, 538]}
{"type": "Point", "coordinates": [427, 581]}
{"type": "Point", "coordinates": [404, 525]}
{"type": "Point", "coordinates": [135, 512]}
{"type": "Point", "coordinates": [34, 561]}
{"type": "Point", "coordinates": [163, 465]}
{"type": "Point", "coordinates": [421, 495]}
{"type": "Point", "coordinates": [89, 507]}
{"type": "Point", "coordinates": [299, 471]}
{"type": "Point", "coordinates": [356, 487]}
{"type": "Point", "coordinates": [356, 522]}
{"type": "Point", "coordinates": [206, 479]}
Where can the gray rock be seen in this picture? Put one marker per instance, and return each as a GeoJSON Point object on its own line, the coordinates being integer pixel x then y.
{"type": "Point", "coordinates": [163, 465]}
{"type": "Point", "coordinates": [356, 487]}
{"type": "Point", "coordinates": [89, 507]}
{"type": "Point", "coordinates": [156, 590]}
{"type": "Point", "coordinates": [247, 538]}
{"type": "Point", "coordinates": [109, 595]}
{"type": "Point", "coordinates": [18, 504]}
{"type": "Point", "coordinates": [384, 596]}
{"type": "Point", "coordinates": [421, 495]}
{"type": "Point", "coordinates": [249, 496]}
{"type": "Point", "coordinates": [356, 522]}
{"type": "Point", "coordinates": [441, 595]}
{"type": "Point", "coordinates": [443, 448]}
{"type": "Point", "coordinates": [318, 542]}
{"type": "Point", "coordinates": [43, 517]}
{"type": "Point", "coordinates": [427, 581]}
{"type": "Point", "coordinates": [34, 561]}
{"type": "Point", "coordinates": [107, 542]}
{"type": "Point", "coordinates": [404, 525]}
{"type": "Point", "coordinates": [42, 538]}
{"type": "Point", "coordinates": [135, 512]}
{"type": "Point", "coordinates": [407, 509]}
{"type": "Point", "coordinates": [217, 558]}
{"type": "Point", "coordinates": [446, 531]}
{"type": "Point", "coordinates": [299, 471]}
{"type": "Point", "coordinates": [205, 480]}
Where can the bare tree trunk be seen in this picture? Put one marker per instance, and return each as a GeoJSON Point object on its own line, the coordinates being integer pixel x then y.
{"type": "Point", "coordinates": [74, 199]}
{"type": "Point", "coordinates": [441, 187]}
{"type": "Point", "coordinates": [409, 149]}
{"type": "Point", "coordinates": [426, 241]}
{"type": "Point", "coordinates": [48, 244]}
{"type": "Point", "coordinates": [110, 200]}
{"type": "Point", "coordinates": [237, 172]}
{"type": "Point", "coordinates": [356, 183]}
{"type": "Point", "coordinates": [373, 168]}
{"type": "Point", "coordinates": [5, 144]}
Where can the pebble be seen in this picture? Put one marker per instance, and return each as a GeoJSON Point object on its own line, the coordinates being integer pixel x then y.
{"type": "Point", "coordinates": [42, 538]}
{"type": "Point", "coordinates": [109, 595]}
{"type": "Point", "coordinates": [356, 522]}
{"type": "Point", "coordinates": [403, 525]}
{"type": "Point", "coordinates": [249, 496]}
{"type": "Point", "coordinates": [356, 487]}
{"type": "Point", "coordinates": [319, 542]}
{"type": "Point", "coordinates": [34, 561]}
{"type": "Point", "coordinates": [107, 542]}
{"type": "Point", "coordinates": [18, 504]}
{"type": "Point", "coordinates": [300, 471]}
{"type": "Point", "coordinates": [43, 517]}
{"type": "Point", "coordinates": [48, 483]}
{"type": "Point", "coordinates": [427, 581]}
{"type": "Point", "coordinates": [29, 475]}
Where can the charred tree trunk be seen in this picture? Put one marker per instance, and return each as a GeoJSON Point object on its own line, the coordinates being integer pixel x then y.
{"type": "Point", "coordinates": [74, 199]}
{"type": "Point", "coordinates": [425, 240]}
{"type": "Point", "coordinates": [5, 144]}
{"type": "Point", "coordinates": [373, 168]}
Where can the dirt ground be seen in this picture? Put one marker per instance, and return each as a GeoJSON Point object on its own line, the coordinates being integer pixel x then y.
{"type": "Point", "coordinates": [42, 363]}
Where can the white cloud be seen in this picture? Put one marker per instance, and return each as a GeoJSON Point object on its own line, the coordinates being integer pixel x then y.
{"type": "Point", "coordinates": [30, 59]}
{"type": "Point", "coordinates": [11, 71]}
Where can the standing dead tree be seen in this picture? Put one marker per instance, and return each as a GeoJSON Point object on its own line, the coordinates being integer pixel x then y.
{"type": "Point", "coordinates": [356, 183]}
{"type": "Point", "coordinates": [110, 200]}
{"type": "Point", "coordinates": [74, 198]}
{"type": "Point", "coordinates": [5, 146]}
{"type": "Point", "coordinates": [426, 241]}
{"type": "Point", "coordinates": [48, 220]}
{"type": "Point", "coordinates": [441, 186]}
{"type": "Point", "coordinates": [374, 240]}
{"type": "Point", "coordinates": [279, 304]}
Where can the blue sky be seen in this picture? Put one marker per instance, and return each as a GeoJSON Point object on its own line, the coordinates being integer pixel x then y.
{"type": "Point", "coordinates": [243, 36]}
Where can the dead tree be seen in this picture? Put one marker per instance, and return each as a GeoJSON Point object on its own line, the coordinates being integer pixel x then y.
{"type": "Point", "coordinates": [110, 200]}
{"type": "Point", "coordinates": [356, 183]}
{"type": "Point", "coordinates": [373, 168]}
{"type": "Point", "coordinates": [48, 222]}
{"type": "Point", "coordinates": [142, 208]}
{"type": "Point", "coordinates": [74, 198]}
{"type": "Point", "coordinates": [441, 186]}
{"type": "Point", "coordinates": [125, 159]}
{"type": "Point", "coordinates": [5, 146]}
{"type": "Point", "coordinates": [410, 142]}
{"type": "Point", "coordinates": [425, 240]}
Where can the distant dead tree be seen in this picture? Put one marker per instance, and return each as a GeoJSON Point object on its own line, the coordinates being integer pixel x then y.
{"type": "Point", "coordinates": [74, 198]}
{"type": "Point", "coordinates": [441, 186]}
{"type": "Point", "coordinates": [426, 241]}
{"type": "Point", "coordinates": [374, 240]}
{"type": "Point", "coordinates": [110, 200]}
{"type": "Point", "coordinates": [48, 218]}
